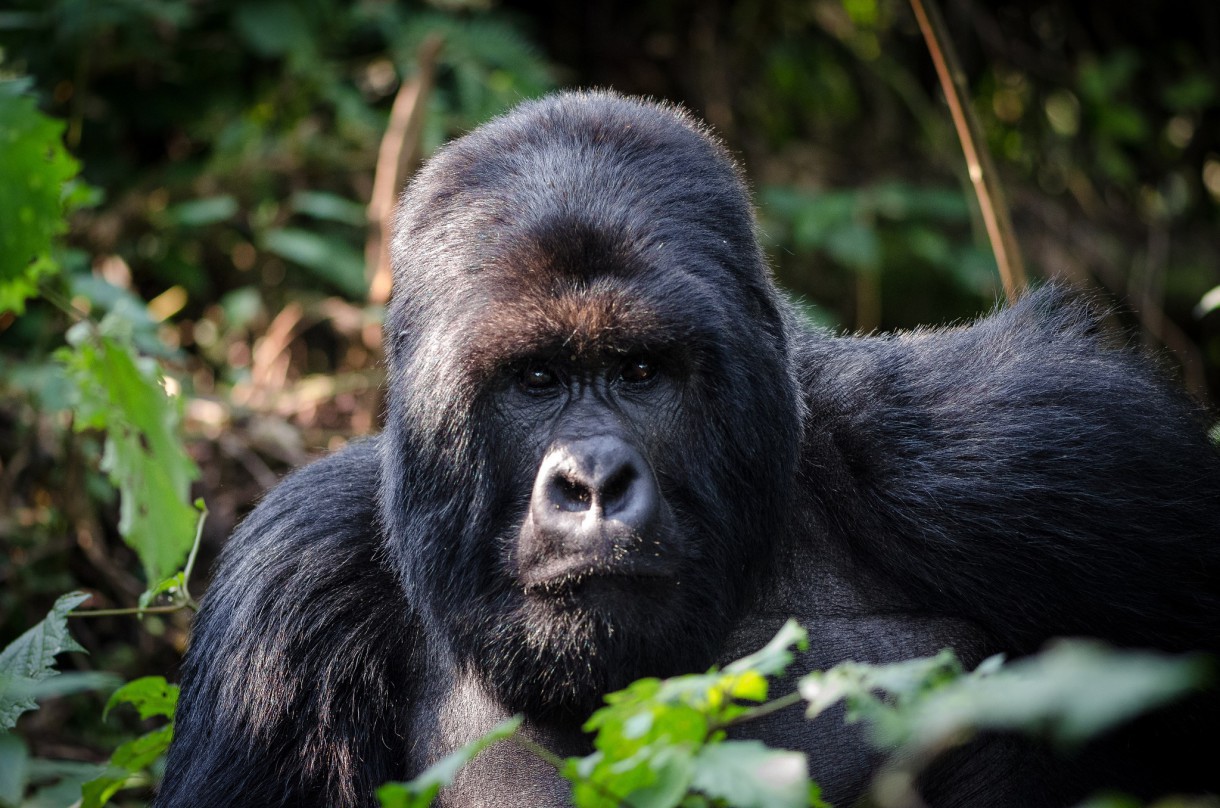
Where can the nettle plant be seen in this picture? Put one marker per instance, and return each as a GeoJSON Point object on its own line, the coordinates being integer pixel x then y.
{"type": "Point", "coordinates": [665, 743]}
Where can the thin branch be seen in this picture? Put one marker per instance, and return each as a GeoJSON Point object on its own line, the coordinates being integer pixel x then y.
{"type": "Point", "coordinates": [133, 611]}
{"type": "Point", "coordinates": [190, 559]}
{"type": "Point", "coordinates": [978, 161]}
{"type": "Point", "coordinates": [538, 750]}
{"type": "Point", "coordinates": [399, 145]}
{"type": "Point", "coordinates": [782, 703]}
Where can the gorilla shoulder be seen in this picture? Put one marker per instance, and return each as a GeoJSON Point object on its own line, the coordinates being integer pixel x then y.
{"type": "Point", "coordinates": [305, 627]}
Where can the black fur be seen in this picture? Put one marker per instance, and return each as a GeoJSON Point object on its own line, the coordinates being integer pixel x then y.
{"type": "Point", "coordinates": [985, 487]}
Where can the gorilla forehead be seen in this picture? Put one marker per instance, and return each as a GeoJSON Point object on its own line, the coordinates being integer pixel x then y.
{"type": "Point", "coordinates": [578, 185]}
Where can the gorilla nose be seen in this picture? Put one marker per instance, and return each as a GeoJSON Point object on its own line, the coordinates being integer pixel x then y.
{"type": "Point", "coordinates": [593, 483]}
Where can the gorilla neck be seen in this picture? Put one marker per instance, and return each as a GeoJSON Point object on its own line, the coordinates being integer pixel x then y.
{"type": "Point", "coordinates": [556, 660]}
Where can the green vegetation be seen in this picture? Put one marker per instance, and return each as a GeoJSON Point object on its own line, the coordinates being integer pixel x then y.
{"type": "Point", "coordinates": [185, 308]}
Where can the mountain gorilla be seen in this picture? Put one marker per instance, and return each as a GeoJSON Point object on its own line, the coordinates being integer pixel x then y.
{"type": "Point", "coordinates": [614, 450]}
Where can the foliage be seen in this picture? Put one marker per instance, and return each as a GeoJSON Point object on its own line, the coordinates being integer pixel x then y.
{"type": "Point", "coordinates": [30, 659]}
{"type": "Point", "coordinates": [232, 145]}
{"type": "Point", "coordinates": [663, 743]}
{"type": "Point", "coordinates": [421, 791]}
{"type": "Point", "coordinates": [1073, 691]}
{"type": "Point", "coordinates": [28, 673]}
{"type": "Point", "coordinates": [658, 740]}
{"type": "Point", "coordinates": [152, 696]}
{"type": "Point", "coordinates": [34, 194]}
{"type": "Point", "coordinates": [122, 395]}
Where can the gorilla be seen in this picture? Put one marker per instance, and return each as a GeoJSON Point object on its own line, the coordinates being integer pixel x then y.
{"type": "Point", "coordinates": [613, 449]}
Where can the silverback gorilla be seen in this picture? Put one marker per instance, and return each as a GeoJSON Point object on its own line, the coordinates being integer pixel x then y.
{"type": "Point", "coordinates": [613, 450]}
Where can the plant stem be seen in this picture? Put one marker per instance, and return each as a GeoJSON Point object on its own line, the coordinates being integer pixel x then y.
{"type": "Point", "coordinates": [982, 171]}
{"type": "Point", "coordinates": [774, 706]}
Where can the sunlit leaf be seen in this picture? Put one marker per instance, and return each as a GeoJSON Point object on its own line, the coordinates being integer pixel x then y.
{"type": "Point", "coordinates": [748, 774]}
{"type": "Point", "coordinates": [34, 171]}
{"type": "Point", "coordinates": [150, 695]}
{"type": "Point", "coordinates": [143, 455]}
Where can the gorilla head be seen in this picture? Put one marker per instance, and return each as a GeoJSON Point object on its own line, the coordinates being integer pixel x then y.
{"type": "Point", "coordinates": [592, 426]}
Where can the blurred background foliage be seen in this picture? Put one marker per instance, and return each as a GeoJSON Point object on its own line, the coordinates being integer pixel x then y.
{"type": "Point", "coordinates": [230, 147]}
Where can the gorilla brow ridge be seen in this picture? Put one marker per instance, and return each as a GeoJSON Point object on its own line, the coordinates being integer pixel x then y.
{"type": "Point", "coordinates": [581, 325]}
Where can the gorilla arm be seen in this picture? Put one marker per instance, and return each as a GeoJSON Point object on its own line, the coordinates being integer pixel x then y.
{"type": "Point", "coordinates": [1021, 473]}
{"type": "Point", "coordinates": [293, 692]}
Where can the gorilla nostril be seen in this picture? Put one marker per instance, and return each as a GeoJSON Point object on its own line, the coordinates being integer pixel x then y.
{"type": "Point", "coordinates": [616, 488]}
{"type": "Point", "coordinates": [570, 494]}
{"type": "Point", "coordinates": [593, 488]}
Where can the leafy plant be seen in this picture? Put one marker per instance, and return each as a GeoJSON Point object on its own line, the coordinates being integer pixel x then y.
{"type": "Point", "coordinates": [153, 697]}
{"type": "Point", "coordinates": [663, 743]}
{"type": "Point", "coordinates": [34, 193]}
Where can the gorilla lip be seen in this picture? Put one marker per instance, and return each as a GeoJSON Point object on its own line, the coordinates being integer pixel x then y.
{"type": "Point", "coordinates": [567, 575]}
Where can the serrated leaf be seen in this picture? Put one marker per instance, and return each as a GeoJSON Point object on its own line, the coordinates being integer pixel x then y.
{"type": "Point", "coordinates": [33, 173]}
{"type": "Point", "coordinates": [150, 695]}
{"type": "Point", "coordinates": [144, 457]}
{"type": "Point", "coordinates": [32, 657]}
{"type": "Point", "coordinates": [748, 774]}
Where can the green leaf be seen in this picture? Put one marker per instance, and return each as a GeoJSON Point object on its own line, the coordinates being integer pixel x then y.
{"type": "Point", "coordinates": [32, 657]}
{"type": "Point", "coordinates": [330, 207]}
{"type": "Point", "coordinates": [144, 457]}
{"type": "Point", "coordinates": [650, 734]}
{"type": "Point", "coordinates": [64, 684]}
{"type": "Point", "coordinates": [14, 769]}
{"type": "Point", "coordinates": [272, 28]}
{"type": "Point", "coordinates": [1073, 691]}
{"type": "Point", "coordinates": [1195, 91]}
{"type": "Point", "coordinates": [150, 695]}
{"type": "Point", "coordinates": [202, 212]}
{"type": "Point", "coordinates": [33, 174]}
{"type": "Point", "coordinates": [855, 245]}
{"type": "Point", "coordinates": [748, 774]}
{"type": "Point", "coordinates": [774, 657]}
{"type": "Point", "coordinates": [173, 587]}
{"type": "Point", "coordinates": [128, 760]}
{"type": "Point", "coordinates": [420, 792]}
{"type": "Point", "coordinates": [328, 258]}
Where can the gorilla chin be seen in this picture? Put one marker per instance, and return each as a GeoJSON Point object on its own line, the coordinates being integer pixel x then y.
{"type": "Point", "coordinates": [560, 654]}
{"type": "Point", "coordinates": [587, 624]}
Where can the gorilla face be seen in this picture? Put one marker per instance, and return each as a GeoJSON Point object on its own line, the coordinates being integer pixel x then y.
{"type": "Point", "coordinates": [592, 431]}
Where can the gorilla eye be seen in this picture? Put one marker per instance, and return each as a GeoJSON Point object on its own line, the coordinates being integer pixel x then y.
{"type": "Point", "coordinates": [536, 377]}
{"type": "Point", "coordinates": [638, 369]}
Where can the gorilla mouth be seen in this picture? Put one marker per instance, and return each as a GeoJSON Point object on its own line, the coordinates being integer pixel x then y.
{"type": "Point", "coordinates": [570, 576]}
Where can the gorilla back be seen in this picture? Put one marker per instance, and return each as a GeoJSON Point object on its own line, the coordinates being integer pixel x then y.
{"type": "Point", "coordinates": [612, 450]}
